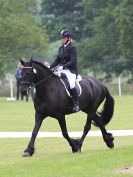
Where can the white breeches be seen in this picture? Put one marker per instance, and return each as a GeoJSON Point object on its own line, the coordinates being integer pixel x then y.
{"type": "Point", "coordinates": [70, 76]}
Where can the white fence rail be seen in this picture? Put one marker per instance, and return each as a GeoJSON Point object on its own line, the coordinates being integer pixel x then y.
{"type": "Point", "coordinates": [59, 134]}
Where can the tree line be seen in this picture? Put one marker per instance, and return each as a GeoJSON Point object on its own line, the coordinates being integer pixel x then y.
{"type": "Point", "coordinates": [102, 31]}
{"type": "Point", "coordinates": [21, 35]}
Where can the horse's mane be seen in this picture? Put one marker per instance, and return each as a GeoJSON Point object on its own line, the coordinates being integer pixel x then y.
{"type": "Point", "coordinates": [43, 66]}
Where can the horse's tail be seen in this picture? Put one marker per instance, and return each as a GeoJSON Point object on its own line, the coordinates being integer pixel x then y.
{"type": "Point", "coordinates": [108, 109]}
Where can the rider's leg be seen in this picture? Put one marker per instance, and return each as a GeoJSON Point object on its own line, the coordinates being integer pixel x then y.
{"type": "Point", "coordinates": [75, 100]}
{"type": "Point", "coordinates": [72, 79]}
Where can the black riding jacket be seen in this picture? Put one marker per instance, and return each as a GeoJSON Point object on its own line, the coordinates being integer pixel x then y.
{"type": "Point", "coordinates": [67, 57]}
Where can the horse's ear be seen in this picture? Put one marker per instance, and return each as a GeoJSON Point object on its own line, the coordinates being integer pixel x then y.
{"type": "Point", "coordinates": [22, 62]}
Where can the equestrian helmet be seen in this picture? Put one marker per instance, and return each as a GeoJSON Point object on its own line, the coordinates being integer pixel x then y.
{"type": "Point", "coordinates": [66, 33]}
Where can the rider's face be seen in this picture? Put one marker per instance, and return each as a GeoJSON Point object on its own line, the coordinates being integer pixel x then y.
{"type": "Point", "coordinates": [64, 40]}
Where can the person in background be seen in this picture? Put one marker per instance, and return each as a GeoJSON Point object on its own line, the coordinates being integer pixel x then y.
{"type": "Point", "coordinates": [18, 80]}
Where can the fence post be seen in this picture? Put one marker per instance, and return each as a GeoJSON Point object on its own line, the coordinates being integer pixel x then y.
{"type": "Point", "coordinates": [11, 98]}
{"type": "Point", "coordinates": [119, 86]}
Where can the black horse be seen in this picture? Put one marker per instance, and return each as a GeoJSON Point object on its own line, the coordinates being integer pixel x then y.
{"type": "Point", "coordinates": [52, 100]}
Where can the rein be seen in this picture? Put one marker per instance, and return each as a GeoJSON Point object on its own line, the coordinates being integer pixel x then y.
{"type": "Point", "coordinates": [43, 80]}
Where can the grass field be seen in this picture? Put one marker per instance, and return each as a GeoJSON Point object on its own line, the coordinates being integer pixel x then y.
{"type": "Point", "coordinates": [19, 116]}
{"type": "Point", "coordinates": [53, 157]}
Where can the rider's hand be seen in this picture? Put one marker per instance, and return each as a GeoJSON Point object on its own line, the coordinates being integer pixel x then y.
{"type": "Point", "coordinates": [57, 71]}
{"type": "Point", "coordinates": [60, 68]}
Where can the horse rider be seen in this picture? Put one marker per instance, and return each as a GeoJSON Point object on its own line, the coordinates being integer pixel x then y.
{"type": "Point", "coordinates": [67, 62]}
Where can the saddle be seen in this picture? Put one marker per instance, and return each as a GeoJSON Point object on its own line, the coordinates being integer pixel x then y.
{"type": "Point", "coordinates": [66, 84]}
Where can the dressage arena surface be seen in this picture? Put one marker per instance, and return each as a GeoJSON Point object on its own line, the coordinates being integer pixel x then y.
{"type": "Point", "coordinates": [59, 134]}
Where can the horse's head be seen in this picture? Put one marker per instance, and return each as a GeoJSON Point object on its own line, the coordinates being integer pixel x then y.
{"type": "Point", "coordinates": [28, 76]}
{"type": "Point", "coordinates": [33, 73]}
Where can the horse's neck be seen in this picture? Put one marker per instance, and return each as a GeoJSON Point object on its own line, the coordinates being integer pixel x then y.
{"type": "Point", "coordinates": [41, 74]}
{"type": "Point", "coordinates": [44, 79]}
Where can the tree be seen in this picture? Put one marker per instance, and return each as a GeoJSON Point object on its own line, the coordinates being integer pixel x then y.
{"type": "Point", "coordinates": [124, 21]}
{"type": "Point", "coordinates": [101, 51]}
{"type": "Point", "coordinates": [102, 29]}
{"type": "Point", "coordinates": [61, 14]}
{"type": "Point", "coordinates": [20, 34]}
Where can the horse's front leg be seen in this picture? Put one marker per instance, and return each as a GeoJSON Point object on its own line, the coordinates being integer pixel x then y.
{"type": "Point", "coordinates": [29, 151]}
{"type": "Point", "coordinates": [74, 143]}
{"type": "Point", "coordinates": [87, 127]}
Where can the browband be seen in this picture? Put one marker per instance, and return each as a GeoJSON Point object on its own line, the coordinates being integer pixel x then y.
{"type": "Point", "coordinates": [27, 67]}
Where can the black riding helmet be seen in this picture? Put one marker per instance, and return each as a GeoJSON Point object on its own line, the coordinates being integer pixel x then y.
{"type": "Point", "coordinates": [66, 33]}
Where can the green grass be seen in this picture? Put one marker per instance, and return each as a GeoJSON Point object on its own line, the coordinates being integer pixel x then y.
{"type": "Point", "coordinates": [53, 157]}
{"type": "Point", "coordinates": [19, 116]}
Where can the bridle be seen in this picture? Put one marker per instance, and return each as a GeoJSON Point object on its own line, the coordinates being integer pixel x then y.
{"type": "Point", "coordinates": [33, 85]}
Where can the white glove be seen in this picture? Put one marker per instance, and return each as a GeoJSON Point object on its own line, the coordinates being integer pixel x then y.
{"type": "Point", "coordinates": [57, 73]}
{"type": "Point", "coordinates": [60, 68]}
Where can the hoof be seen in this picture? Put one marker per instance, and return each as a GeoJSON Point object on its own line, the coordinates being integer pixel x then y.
{"type": "Point", "coordinates": [26, 154]}
{"type": "Point", "coordinates": [111, 145]}
{"type": "Point", "coordinates": [76, 151]}
{"type": "Point", "coordinates": [109, 140]}
{"type": "Point", "coordinates": [76, 146]}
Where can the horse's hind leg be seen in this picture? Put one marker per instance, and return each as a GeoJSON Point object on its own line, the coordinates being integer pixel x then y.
{"type": "Point", "coordinates": [107, 137]}
{"type": "Point", "coordinates": [74, 143]}
{"type": "Point", "coordinates": [29, 151]}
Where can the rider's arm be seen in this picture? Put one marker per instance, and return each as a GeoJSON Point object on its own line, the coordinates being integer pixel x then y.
{"type": "Point", "coordinates": [73, 58]}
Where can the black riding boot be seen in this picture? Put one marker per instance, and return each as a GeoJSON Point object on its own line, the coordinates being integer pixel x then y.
{"type": "Point", "coordinates": [75, 100]}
